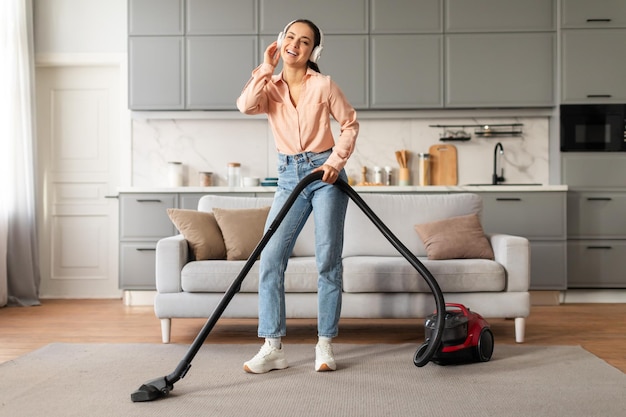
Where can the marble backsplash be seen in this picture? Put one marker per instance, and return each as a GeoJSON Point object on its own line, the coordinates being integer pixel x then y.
{"type": "Point", "coordinates": [209, 144]}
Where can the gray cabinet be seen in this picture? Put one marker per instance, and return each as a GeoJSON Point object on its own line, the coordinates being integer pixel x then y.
{"type": "Point", "coordinates": [212, 81]}
{"type": "Point", "coordinates": [406, 71]}
{"type": "Point", "coordinates": [353, 78]}
{"type": "Point", "coordinates": [143, 221]}
{"type": "Point", "coordinates": [592, 66]}
{"type": "Point", "coordinates": [385, 54]}
{"type": "Point", "coordinates": [156, 17]}
{"type": "Point", "coordinates": [500, 70]}
{"type": "Point", "coordinates": [500, 15]}
{"type": "Point", "coordinates": [334, 17]}
{"type": "Point", "coordinates": [592, 36]}
{"type": "Point", "coordinates": [219, 17]}
{"type": "Point", "coordinates": [593, 14]}
{"type": "Point", "coordinates": [406, 16]}
{"type": "Point", "coordinates": [596, 203]}
{"type": "Point", "coordinates": [186, 69]}
{"type": "Point", "coordinates": [596, 239]}
{"type": "Point", "coordinates": [540, 217]}
{"type": "Point", "coordinates": [156, 79]}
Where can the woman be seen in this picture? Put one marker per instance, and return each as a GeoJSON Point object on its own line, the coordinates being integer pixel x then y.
{"type": "Point", "coordinates": [299, 102]}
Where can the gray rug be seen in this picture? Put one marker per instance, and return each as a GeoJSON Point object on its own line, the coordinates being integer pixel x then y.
{"type": "Point", "coordinates": [372, 380]}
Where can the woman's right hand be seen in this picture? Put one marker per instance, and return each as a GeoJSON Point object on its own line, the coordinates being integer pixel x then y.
{"type": "Point", "coordinates": [272, 54]}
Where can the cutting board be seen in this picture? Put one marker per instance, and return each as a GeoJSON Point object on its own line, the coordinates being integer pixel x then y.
{"type": "Point", "coordinates": [443, 164]}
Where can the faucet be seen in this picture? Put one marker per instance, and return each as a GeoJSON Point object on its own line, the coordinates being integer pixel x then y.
{"type": "Point", "coordinates": [495, 178]}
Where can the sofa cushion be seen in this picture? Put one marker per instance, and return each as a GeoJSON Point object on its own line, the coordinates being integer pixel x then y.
{"type": "Point", "coordinates": [455, 238]}
{"type": "Point", "coordinates": [201, 232]}
{"type": "Point", "coordinates": [217, 276]}
{"type": "Point", "coordinates": [395, 274]}
{"type": "Point", "coordinates": [242, 230]}
{"type": "Point", "coordinates": [399, 212]}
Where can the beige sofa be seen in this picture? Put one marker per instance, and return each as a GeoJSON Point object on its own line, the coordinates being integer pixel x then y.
{"type": "Point", "coordinates": [377, 282]}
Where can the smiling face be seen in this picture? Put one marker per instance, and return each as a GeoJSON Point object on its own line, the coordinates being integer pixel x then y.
{"type": "Point", "coordinates": [298, 44]}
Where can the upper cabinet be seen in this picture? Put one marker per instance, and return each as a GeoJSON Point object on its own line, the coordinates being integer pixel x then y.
{"type": "Point", "coordinates": [500, 16]}
{"type": "Point", "coordinates": [218, 17]}
{"type": "Point", "coordinates": [333, 17]}
{"type": "Point", "coordinates": [384, 54]}
{"type": "Point", "coordinates": [503, 70]}
{"type": "Point", "coordinates": [500, 53]}
{"type": "Point", "coordinates": [592, 36]}
{"type": "Point", "coordinates": [406, 16]}
{"type": "Point", "coordinates": [156, 17]}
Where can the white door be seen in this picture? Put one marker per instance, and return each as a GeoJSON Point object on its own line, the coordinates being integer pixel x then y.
{"type": "Point", "coordinates": [78, 129]}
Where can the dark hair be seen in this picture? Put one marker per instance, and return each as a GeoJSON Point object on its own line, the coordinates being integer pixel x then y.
{"type": "Point", "coordinates": [317, 34]}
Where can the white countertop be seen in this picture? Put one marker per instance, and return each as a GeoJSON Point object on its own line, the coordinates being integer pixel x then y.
{"type": "Point", "coordinates": [365, 189]}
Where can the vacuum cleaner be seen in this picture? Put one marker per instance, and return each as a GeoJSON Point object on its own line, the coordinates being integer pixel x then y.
{"type": "Point", "coordinates": [161, 387]}
{"type": "Point", "coordinates": [466, 337]}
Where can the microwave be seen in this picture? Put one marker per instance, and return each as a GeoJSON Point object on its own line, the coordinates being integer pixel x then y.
{"type": "Point", "coordinates": [593, 127]}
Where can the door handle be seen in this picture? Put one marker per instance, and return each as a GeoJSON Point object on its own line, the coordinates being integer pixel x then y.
{"type": "Point", "coordinates": [508, 199]}
{"type": "Point", "coordinates": [599, 199]}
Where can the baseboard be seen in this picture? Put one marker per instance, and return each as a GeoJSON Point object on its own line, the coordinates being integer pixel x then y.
{"type": "Point", "coordinates": [545, 298]}
{"type": "Point", "coordinates": [139, 298]}
{"type": "Point", "coordinates": [594, 296]}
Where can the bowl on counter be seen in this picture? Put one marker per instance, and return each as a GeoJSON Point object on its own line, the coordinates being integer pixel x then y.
{"type": "Point", "coordinates": [250, 181]}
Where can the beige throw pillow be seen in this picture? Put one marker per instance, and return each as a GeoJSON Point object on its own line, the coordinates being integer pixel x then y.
{"type": "Point", "coordinates": [201, 231]}
{"type": "Point", "coordinates": [455, 238]}
{"type": "Point", "coordinates": [242, 230]}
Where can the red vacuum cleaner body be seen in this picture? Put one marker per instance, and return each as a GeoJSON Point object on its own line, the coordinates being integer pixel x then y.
{"type": "Point", "coordinates": [466, 337]}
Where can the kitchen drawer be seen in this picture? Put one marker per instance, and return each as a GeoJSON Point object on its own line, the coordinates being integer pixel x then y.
{"type": "Point", "coordinates": [596, 263]}
{"type": "Point", "coordinates": [593, 14]}
{"type": "Point", "coordinates": [596, 214]}
{"type": "Point", "coordinates": [144, 216]}
{"type": "Point", "coordinates": [534, 215]}
{"type": "Point", "coordinates": [137, 266]}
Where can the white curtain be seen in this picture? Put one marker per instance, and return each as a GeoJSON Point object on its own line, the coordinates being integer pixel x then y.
{"type": "Point", "coordinates": [19, 261]}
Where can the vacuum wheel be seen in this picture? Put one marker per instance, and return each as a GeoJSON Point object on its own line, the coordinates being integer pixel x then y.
{"type": "Point", "coordinates": [484, 349]}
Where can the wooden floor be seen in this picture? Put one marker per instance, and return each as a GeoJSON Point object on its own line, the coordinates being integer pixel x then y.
{"type": "Point", "coordinates": [599, 328]}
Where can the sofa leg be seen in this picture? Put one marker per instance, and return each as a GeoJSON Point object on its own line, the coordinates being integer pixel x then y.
{"type": "Point", "coordinates": [520, 328]}
{"type": "Point", "coordinates": [166, 329]}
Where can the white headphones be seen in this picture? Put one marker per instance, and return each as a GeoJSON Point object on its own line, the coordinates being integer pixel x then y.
{"type": "Point", "coordinates": [317, 51]}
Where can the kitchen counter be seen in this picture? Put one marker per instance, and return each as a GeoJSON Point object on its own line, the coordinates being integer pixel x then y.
{"type": "Point", "coordinates": [360, 189]}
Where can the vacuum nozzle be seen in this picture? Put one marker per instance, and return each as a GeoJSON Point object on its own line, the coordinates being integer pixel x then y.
{"type": "Point", "coordinates": [152, 390]}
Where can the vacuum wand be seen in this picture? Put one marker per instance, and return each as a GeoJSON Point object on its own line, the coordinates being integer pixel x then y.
{"type": "Point", "coordinates": [161, 387]}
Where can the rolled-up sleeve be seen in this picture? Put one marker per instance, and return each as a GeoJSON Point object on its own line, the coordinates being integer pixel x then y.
{"type": "Point", "coordinates": [343, 112]}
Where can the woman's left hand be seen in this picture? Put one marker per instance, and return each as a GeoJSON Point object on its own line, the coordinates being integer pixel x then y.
{"type": "Point", "coordinates": [330, 173]}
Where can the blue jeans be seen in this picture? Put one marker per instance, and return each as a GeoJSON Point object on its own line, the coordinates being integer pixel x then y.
{"type": "Point", "coordinates": [328, 205]}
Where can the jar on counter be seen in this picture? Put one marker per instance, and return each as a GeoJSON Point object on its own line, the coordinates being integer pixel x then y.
{"type": "Point", "coordinates": [175, 174]}
{"type": "Point", "coordinates": [206, 179]}
{"type": "Point", "coordinates": [234, 174]}
{"type": "Point", "coordinates": [378, 175]}
{"type": "Point", "coordinates": [424, 168]}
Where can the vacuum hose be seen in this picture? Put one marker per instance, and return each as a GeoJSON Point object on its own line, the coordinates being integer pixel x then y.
{"type": "Point", "coordinates": [160, 387]}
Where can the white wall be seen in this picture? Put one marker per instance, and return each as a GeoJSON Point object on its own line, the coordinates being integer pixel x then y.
{"type": "Point", "coordinates": [98, 28]}
{"type": "Point", "coordinates": [80, 26]}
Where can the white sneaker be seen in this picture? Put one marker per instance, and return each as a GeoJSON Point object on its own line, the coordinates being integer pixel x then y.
{"type": "Point", "coordinates": [324, 357]}
{"type": "Point", "coordinates": [268, 359]}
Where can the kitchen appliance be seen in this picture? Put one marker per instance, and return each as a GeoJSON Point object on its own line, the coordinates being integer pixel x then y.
{"type": "Point", "coordinates": [443, 164]}
{"type": "Point", "coordinates": [593, 127]}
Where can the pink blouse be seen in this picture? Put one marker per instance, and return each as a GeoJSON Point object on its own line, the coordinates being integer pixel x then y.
{"type": "Point", "coordinates": [305, 128]}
